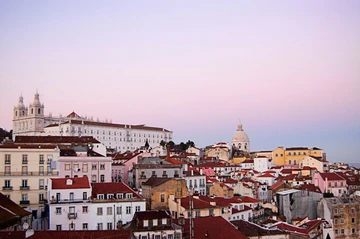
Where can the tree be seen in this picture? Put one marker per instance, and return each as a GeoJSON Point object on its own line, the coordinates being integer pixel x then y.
{"type": "Point", "coordinates": [162, 143]}
{"type": "Point", "coordinates": [171, 144]}
{"type": "Point", "coordinates": [4, 133]}
{"type": "Point", "coordinates": [183, 146]}
{"type": "Point", "coordinates": [190, 144]}
{"type": "Point", "coordinates": [147, 144]}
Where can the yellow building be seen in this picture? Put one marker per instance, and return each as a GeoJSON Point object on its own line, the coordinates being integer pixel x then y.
{"type": "Point", "coordinates": [293, 156]}
{"type": "Point", "coordinates": [220, 150]}
{"type": "Point", "coordinates": [24, 172]}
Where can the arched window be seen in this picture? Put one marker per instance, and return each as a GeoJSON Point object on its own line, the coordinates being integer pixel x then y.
{"type": "Point", "coordinates": [32, 111]}
{"type": "Point", "coordinates": [23, 113]}
{"type": "Point", "coordinates": [245, 146]}
{"type": "Point", "coordinates": [239, 145]}
{"type": "Point", "coordinates": [15, 113]}
{"type": "Point", "coordinates": [39, 110]}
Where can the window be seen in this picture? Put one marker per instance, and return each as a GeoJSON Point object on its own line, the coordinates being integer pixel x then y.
{"type": "Point", "coordinates": [85, 197]}
{"type": "Point", "coordinates": [335, 211]}
{"type": "Point", "coordinates": [102, 166]}
{"type": "Point", "coordinates": [71, 196]}
{"type": "Point", "coordinates": [118, 210]}
{"type": "Point", "coordinates": [109, 225]}
{"type": "Point", "coordinates": [289, 161]}
{"type": "Point", "coordinates": [93, 167]}
{"type": "Point", "coordinates": [7, 183]}
{"type": "Point", "coordinates": [353, 231]}
{"type": "Point", "coordinates": [109, 210]}
{"type": "Point", "coordinates": [24, 170]}
{"type": "Point", "coordinates": [128, 210]}
{"type": "Point", "coordinates": [58, 227]}
{"type": "Point", "coordinates": [353, 220]}
{"type": "Point", "coordinates": [341, 184]}
{"type": "Point", "coordinates": [85, 209]}
{"type": "Point", "coordinates": [24, 183]}
{"type": "Point", "coordinates": [102, 178]}
{"type": "Point", "coordinates": [163, 221]}
{"type": "Point", "coordinates": [67, 166]}
{"type": "Point", "coordinates": [146, 223]}
{"type": "Point", "coordinates": [211, 212]}
{"type": "Point", "coordinates": [41, 197]}
{"type": "Point", "coordinates": [276, 155]}
{"type": "Point", "coordinates": [99, 226]}
{"type": "Point", "coordinates": [7, 158]}
{"type": "Point", "coordinates": [352, 210]}
{"type": "Point", "coordinates": [336, 231]}
{"type": "Point", "coordinates": [41, 159]}
{"type": "Point", "coordinates": [197, 213]}
{"type": "Point", "coordinates": [85, 226]}
{"type": "Point", "coordinates": [336, 184]}
{"type": "Point", "coordinates": [58, 210]}
{"type": "Point", "coordinates": [24, 197]}
{"type": "Point", "coordinates": [85, 167]}
{"type": "Point", "coordinates": [24, 159]}
{"type": "Point", "coordinates": [119, 196]}
{"type": "Point", "coordinates": [7, 170]}
{"type": "Point", "coordinates": [342, 220]}
{"type": "Point", "coordinates": [162, 197]}
{"type": "Point", "coordinates": [99, 211]}
{"type": "Point", "coordinates": [341, 211]}
{"type": "Point", "coordinates": [100, 196]}
{"type": "Point", "coordinates": [49, 158]}
{"type": "Point", "coordinates": [137, 208]}
{"type": "Point", "coordinates": [129, 195]}
{"type": "Point", "coordinates": [93, 178]}
{"type": "Point", "coordinates": [336, 221]}
{"type": "Point", "coordinates": [342, 231]}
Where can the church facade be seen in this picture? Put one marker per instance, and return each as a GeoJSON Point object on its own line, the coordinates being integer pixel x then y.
{"type": "Point", "coordinates": [240, 139]}
{"type": "Point", "coordinates": [32, 121]}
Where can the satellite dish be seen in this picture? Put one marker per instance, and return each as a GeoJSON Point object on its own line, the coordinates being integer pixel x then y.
{"type": "Point", "coordinates": [25, 226]}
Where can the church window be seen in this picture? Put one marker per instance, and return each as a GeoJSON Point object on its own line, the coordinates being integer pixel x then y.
{"type": "Point", "coordinates": [239, 145]}
{"type": "Point", "coordinates": [15, 113]}
{"type": "Point", "coordinates": [32, 111]}
{"type": "Point", "coordinates": [39, 110]}
{"type": "Point", "coordinates": [23, 113]}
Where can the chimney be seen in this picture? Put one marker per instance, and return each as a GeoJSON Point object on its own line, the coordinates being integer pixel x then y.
{"type": "Point", "coordinates": [167, 151]}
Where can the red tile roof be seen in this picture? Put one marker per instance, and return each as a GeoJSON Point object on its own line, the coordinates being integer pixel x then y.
{"type": "Point", "coordinates": [246, 208]}
{"type": "Point", "coordinates": [112, 188]}
{"type": "Point", "coordinates": [331, 176]}
{"type": "Point", "coordinates": [174, 161]}
{"type": "Point", "coordinates": [287, 227]}
{"type": "Point", "coordinates": [253, 230]}
{"type": "Point", "coordinates": [155, 181]}
{"type": "Point", "coordinates": [76, 183]}
{"type": "Point", "coordinates": [247, 199]}
{"type": "Point", "coordinates": [26, 146]}
{"type": "Point", "coordinates": [309, 187]}
{"type": "Point", "coordinates": [149, 215]}
{"type": "Point", "coordinates": [88, 234]}
{"type": "Point", "coordinates": [10, 212]}
{"type": "Point", "coordinates": [276, 185]}
{"type": "Point", "coordinates": [266, 175]}
{"type": "Point", "coordinates": [55, 140]}
{"type": "Point", "coordinates": [230, 180]}
{"type": "Point", "coordinates": [198, 203]}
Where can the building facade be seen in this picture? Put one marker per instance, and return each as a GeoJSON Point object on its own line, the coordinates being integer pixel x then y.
{"type": "Point", "coordinates": [240, 140]}
{"type": "Point", "coordinates": [121, 137]}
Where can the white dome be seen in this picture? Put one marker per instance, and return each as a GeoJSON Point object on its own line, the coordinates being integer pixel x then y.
{"type": "Point", "coordinates": [240, 135]}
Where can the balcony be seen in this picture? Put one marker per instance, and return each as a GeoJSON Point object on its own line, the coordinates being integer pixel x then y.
{"type": "Point", "coordinates": [42, 201]}
{"type": "Point", "coordinates": [7, 162]}
{"type": "Point", "coordinates": [41, 161]}
{"type": "Point", "coordinates": [143, 176]}
{"type": "Point", "coordinates": [24, 187]}
{"type": "Point", "coordinates": [202, 185]}
{"type": "Point", "coordinates": [41, 187]}
{"type": "Point", "coordinates": [23, 202]}
{"type": "Point", "coordinates": [34, 173]}
{"type": "Point", "coordinates": [72, 215]}
{"type": "Point", "coordinates": [176, 175]}
{"type": "Point", "coordinates": [49, 161]}
{"type": "Point", "coordinates": [164, 175]}
{"type": "Point", "coordinates": [7, 188]}
{"type": "Point", "coordinates": [24, 162]}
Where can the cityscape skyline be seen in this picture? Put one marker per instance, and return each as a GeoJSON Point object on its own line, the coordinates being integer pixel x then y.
{"type": "Point", "coordinates": [289, 71]}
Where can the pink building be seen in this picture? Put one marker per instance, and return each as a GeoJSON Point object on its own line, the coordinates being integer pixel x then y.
{"type": "Point", "coordinates": [122, 164]}
{"type": "Point", "coordinates": [330, 183]}
{"type": "Point", "coordinates": [73, 164]}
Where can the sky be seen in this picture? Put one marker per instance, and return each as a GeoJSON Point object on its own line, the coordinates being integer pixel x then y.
{"type": "Point", "coordinates": [288, 70]}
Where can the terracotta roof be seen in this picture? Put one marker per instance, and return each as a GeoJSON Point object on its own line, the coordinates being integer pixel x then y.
{"type": "Point", "coordinates": [297, 148]}
{"type": "Point", "coordinates": [221, 201]}
{"type": "Point", "coordinates": [248, 161]}
{"type": "Point", "coordinates": [73, 115]}
{"type": "Point", "coordinates": [253, 230]}
{"type": "Point", "coordinates": [88, 234]}
{"type": "Point", "coordinates": [198, 203]}
{"type": "Point", "coordinates": [10, 212]}
{"type": "Point", "coordinates": [12, 234]}
{"type": "Point", "coordinates": [286, 171]}
{"type": "Point", "coordinates": [112, 188]}
{"type": "Point", "coordinates": [77, 183]}
{"type": "Point", "coordinates": [26, 146]}
{"type": "Point", "coordinates": [290, 228]}
{"type": "Point", "coordinates": [230, 180]}
{"type": "Point", "coordinates": [55, 140]}
{"type": "Point", "coordinates": [266, 175]}
{"type": "Point", "coordinates": [104, 124]}
{"type": "Point", "coordinates": [212, 227]}
{"type": "Point", "coordinates": [331, 176]}
{"type": "Point", "coordinates": [174, 161]}
{"type": "Point", "coordinates": [247, 199]}
{"type": "Point", "coordinates": [276, 185]}
{"type": "Point", "coordinates": [155, 181]}
{"type": "Point", "coordinates": [149, 215]}
{"type": "Point", "coordinates": [246, 208]}
{"type": "Point", "coordinates": [309, 187]}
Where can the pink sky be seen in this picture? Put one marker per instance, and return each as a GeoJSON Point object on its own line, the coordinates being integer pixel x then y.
{"type": "Point", "coordinates": [194, 68]}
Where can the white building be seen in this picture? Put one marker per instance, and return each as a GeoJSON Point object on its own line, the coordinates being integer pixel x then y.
{"type": "Point", "coordinates": [76, 205]}
{"type": "Point", "coordinates": [121, 137]}
{"type": "Point", "coordinates": [240, 139]}
{"type": "Point", "coordinates": [195, 181]}
{"type": "Point", "coordinates": [262, 164]}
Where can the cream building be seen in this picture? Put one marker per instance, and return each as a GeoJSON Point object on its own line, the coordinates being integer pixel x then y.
{"type": "Point", "coordinates": [121, 137]}
{"type": "Point", "coordinates": [240, 140]}
{"type": "Point", "coordinates": [24, 172]}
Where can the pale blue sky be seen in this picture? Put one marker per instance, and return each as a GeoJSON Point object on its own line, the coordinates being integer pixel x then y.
{"type": "Point", "coordinates": [289, 69]}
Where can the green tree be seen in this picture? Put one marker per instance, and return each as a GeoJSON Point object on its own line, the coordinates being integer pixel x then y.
{"type": "Point", "coordinates": [171, 144]}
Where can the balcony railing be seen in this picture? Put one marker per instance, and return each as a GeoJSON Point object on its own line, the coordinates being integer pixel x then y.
{"type": "Point", "coordinates": [54, 173]}
{"type": "Point", "coordinates": [41, 161]}
{"type": "Point", "coordinates": [202, 185]}
{"type": "Point", "coordinates": [72, 215]}
{"type": "Point", "coordinates": [7, 162]}
{"type": "Point", "coordinates": [7, 188]}
{"type": "Point", "coordinates": [22, 202]}
{"type": "Point", "coordinates": [24, 162]}
{"type": "Point", "coordinates": [24, 187]}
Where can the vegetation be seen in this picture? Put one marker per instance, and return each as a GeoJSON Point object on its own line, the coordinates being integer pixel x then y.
{"type": "Point", "coordinates": [4, 133]}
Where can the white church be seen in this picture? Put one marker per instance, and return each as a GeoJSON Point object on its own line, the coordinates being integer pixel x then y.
{"type": "Point", "coordinates": [31, 121]}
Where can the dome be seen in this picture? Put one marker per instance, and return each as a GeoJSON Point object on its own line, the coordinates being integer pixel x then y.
{"type": "Point", "coordinates": [240, 135]}
{"type": "Point", "coordinates": [21, 103]}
